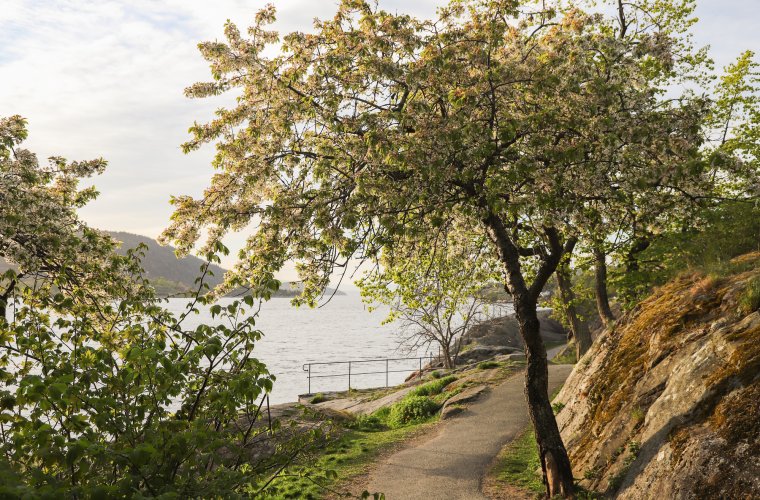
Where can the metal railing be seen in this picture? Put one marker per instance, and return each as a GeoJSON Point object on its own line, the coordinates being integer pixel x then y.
{"type": "Point", "coordinates": [307, 367]}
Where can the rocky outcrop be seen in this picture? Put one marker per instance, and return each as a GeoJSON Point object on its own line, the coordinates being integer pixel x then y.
{"type": "Point", "coordinates": [667, 405]}
{"type": "Point", "coordinates": [455, 405]}
{"type": "Point", "coordinates": [483, 352]}
{"type": "Point", "coordinates": [502, 335]}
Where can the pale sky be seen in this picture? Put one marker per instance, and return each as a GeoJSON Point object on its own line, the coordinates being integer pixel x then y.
{"type": "Point", "coordinates": [106, 78]}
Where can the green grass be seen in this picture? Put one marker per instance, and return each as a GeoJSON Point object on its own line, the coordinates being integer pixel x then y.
{"type": "Point", "coordinates": [750, 299]}
{"type": "Point", "coordinates": [487, 365]}
{"type": "Point", "coordinates": [318, 398]}
{"type": "Point", "coordinates": [517, 465]}
{"type": "Point", "coordinates": [518, 462]}
{"type": "Point", "coordinates": [434, 387]}
{"type": "Point", "coordinates": [568, 357]}
{"type": "Point", "coordinates": [346, 457]}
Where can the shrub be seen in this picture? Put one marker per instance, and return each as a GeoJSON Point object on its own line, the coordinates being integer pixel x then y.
{"type": "Point", "coordinates": [487, 365]}
{"type": "Point", "coordinates": [410, 410]}
{"type": "Point", "coordinates": [434, 387]}
{"type": "Point", "coordinates": [368, 423]}
{"type": "Point", "coordinates": [436, 374]}
{"type": "Point", "coordinates": [318, 398]}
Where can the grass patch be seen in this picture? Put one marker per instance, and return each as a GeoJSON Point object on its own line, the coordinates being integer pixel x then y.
{"type": "Point", "coordinates": [346, 457]}
{"type": "Point", "coordinates": [518, 462]}
{"type": "Point", "coordinates": [567, 356]}
{"type": "Point", "coordinates": [488, 365]}
{"type": "Point", "coordinates": [750, 299]}
{"type": "Point", "coordinates": [318, 398]}
{"type": "Point", "coordinates": [411, 410]}
{"type": "Point", "coordinates": [434, 387]}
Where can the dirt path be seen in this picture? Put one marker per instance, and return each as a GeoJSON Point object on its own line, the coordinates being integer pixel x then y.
{"type": "Point", "coordinates": [452, 464]}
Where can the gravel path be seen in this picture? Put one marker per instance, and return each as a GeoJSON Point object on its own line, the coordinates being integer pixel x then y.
{"type": "Point", "coordinates": [451, 464]}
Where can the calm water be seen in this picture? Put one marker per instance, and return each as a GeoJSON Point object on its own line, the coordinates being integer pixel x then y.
{"type": "Point", "coordinates": [341, 330]}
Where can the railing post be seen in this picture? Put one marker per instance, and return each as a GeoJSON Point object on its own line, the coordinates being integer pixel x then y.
{"type": "Point", "coordinates": [309, 378]}
{"type": "Point", "coordinates": [386, 372]}
{"type": "Point", "coordinates": [420, 366]}
{"type": "Point", "coordinates": [349, 375]}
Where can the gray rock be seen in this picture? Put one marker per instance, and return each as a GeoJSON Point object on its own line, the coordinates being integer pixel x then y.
{"type": "Point", "coordinates": [452, 406]}
{"type": "Point", "coordinates": [451, 411]}
{"type": "Point", "coordinates": [482, 352]}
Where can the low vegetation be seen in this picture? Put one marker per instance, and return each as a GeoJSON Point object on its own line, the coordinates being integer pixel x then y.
{"type": "Point", "coordinates": [435, 387]}
{"type": "Point", "coordinates": [488, 365]}
{"type": "Point", "coordinates": [349, 455]}
{"type": "Point", "coordinates": [518, 464]}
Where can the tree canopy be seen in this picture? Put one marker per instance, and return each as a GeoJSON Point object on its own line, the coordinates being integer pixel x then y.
{"type": "Point", "coordinates": [104, 392]}
{"type": "Point", "coordinates": [378, 128]}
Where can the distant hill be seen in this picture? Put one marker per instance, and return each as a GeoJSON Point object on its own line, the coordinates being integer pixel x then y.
{"type": "Point", "coordinates": [168, 274]}
{"type": "Point", "coordinates": [172, 276]}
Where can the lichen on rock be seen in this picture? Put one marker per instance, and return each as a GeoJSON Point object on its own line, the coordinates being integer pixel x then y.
{"type": "Point", "coordinates": [667, 404]}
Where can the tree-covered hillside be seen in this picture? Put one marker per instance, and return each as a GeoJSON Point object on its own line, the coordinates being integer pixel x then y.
{"type": "Point", "coordinates": [169, 274]}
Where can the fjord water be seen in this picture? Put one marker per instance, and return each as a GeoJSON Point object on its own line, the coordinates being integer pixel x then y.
{"type": "Point", "coordinates": [341, 330]}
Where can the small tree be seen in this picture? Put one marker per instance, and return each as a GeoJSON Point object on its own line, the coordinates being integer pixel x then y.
{"type": "Point", "coordinates": [434, 295]}
{"type": "Point", "coordinates": [40, 232]}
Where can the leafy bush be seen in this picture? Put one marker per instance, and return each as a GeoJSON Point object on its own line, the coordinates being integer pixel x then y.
{"type": "Point", "coordinates": [717, 235]}
{"type": "Point", "coordinates": [488, 365]}
{"type": "Point", "coordinates": [434, 387]}
{"type": "Point", "coordinates": [410, 410]}
{"type": "Point", "coordinates": [436, 374]}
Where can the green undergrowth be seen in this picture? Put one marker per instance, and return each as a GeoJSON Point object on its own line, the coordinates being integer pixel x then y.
{"type": "Point", "coordinates": [488, 365]}
{"type": "Point", "coordinates": [363, 438]}
{"type": "Point", "coordinates": [567, 356]}
{"type": "Point", "coordinates": [750, 299]}
{"type": "Point", "coordinates": [361, 441]}
{"type": "Point", "coordinates": [433, 387]}
{"type": "Point", "coordinates": [318, 398]}
{"type": "Point", "coordinates": [517, 464]}
{"type": "Point", "coordinates": [342, 459]}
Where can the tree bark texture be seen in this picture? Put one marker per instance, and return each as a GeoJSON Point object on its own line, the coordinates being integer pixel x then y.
{"type": "Point", "coordinates": [600, 286]}
{"type": "Point", "coordinates": [580, 329]}
{"type": "Point", "coordinates": [555, 462]}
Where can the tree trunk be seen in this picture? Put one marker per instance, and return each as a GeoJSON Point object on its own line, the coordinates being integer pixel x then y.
{"type": "Point", "coordinates": [554, 460]}
{"type": "Point", "coordinates": [4, 298]}
{"type": "Point", "coordinates": [579, 328]}
{"type": "Point", "coordinates": [602, 296]}
{"type": "Point", "coordinates": [447, 363]}
{"type": "Point", "coordinates": [640, 244]}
